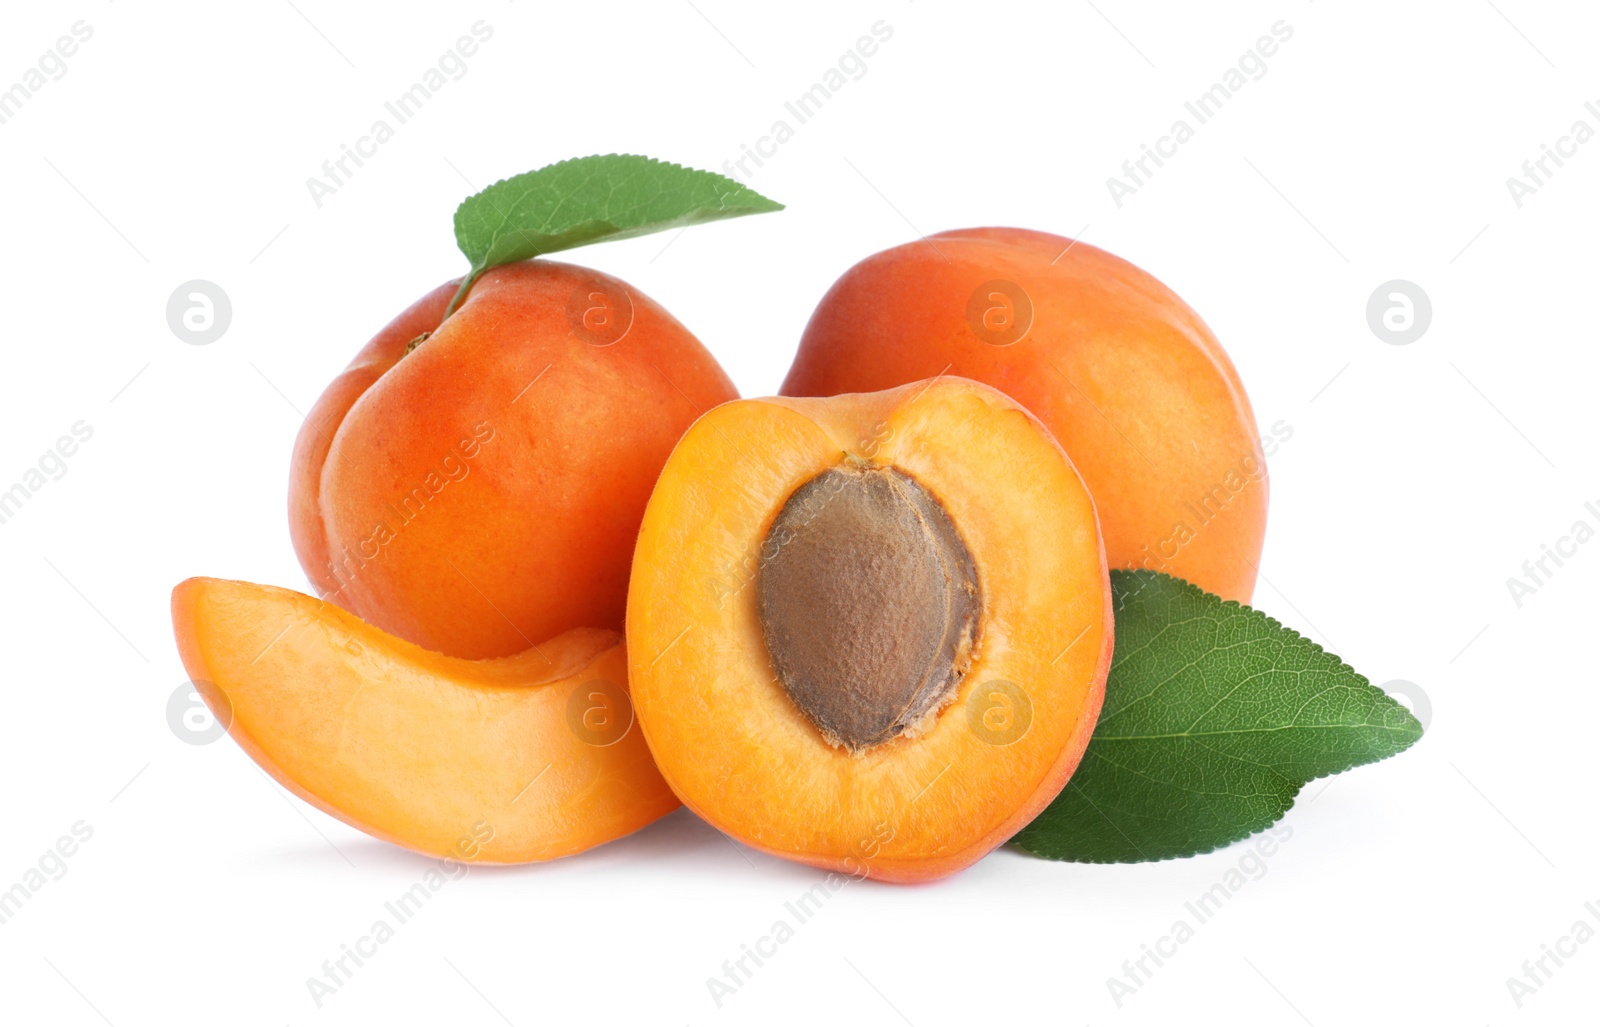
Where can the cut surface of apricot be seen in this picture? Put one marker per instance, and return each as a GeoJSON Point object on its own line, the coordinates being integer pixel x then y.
{"type": "Point", "coordinates": [870, 632]}
{"type": "Point", "coordinates": [509, 760]}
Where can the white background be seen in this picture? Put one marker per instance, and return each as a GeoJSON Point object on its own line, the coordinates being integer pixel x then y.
{"type": "Point", "coordinates": [1418, 480]}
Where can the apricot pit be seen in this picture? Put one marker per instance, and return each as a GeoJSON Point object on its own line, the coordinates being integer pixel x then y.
{"type": "Point", "coordinates": [868, 602]}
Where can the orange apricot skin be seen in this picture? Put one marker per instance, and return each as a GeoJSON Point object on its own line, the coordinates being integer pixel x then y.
{"type": "Point", "coordinates": [1134, 385]}
{"type": "Point", "coordinates": [474, 761]}
{"type": "Point", "coordinates": [482, 493]}
{"type": "Point", "coordinates": [728, 741]}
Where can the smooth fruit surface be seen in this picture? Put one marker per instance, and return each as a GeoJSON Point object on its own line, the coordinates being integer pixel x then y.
{"type": "Point", "coordinates": [527, 757]}
{"type": "Point", "coordinates": [1024, 630]}
{"type": "Point", "coordinates": [481, 493]}
{"type": "Point", "coordinates": [1129, 379]}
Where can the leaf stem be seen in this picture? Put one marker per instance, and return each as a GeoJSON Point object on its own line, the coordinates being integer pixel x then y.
{"type": "Point", "coordinates": [461, 293]}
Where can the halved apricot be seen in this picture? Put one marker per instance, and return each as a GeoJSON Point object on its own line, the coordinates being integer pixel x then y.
{"type": "Point", "coordinates": [510, 760]}
{"type": "Point", "coordinates": [870, 632]}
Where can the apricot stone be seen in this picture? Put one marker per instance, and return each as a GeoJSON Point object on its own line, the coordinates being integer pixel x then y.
{"type": "Point", "coordinates": [868, 603]}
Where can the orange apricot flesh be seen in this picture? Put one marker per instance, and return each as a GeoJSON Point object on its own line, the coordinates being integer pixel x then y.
{"type": "Point", "coordinates": [752, 738]}
{"type": "Point", "coordinates": [509, 760]}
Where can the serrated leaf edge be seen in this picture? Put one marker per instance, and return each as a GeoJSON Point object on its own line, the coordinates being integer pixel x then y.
{"type": "Point", "coordinates": [1144, 573]}
{"type": "Point", "coordinates": [763, 204]}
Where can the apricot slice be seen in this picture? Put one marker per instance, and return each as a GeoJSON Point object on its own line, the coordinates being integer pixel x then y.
{"type": "Point", "coordinates": [1126, 375]}
{"type": "Point", "coordinates": [870, 632]}
{"type": "Point", "coordinates": [509, 760]}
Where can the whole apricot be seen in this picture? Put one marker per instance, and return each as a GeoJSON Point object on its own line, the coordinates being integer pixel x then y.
{"type": "Point", "coordinates": [1128, 378]}
{"type": "Point", "coordinates": [476, 486]}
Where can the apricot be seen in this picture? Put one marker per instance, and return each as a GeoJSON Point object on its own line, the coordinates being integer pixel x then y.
{"type": "Point", "coordinates": [870, 632]}
{"type": "Point", "coordinates": [476, 486]}
{"type": "Point", "coordinates": [509, 760]}
{"type": "Point", "coordinates": [1128, 378]}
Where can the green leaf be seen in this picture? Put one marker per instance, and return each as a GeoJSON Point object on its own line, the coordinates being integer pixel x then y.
{"type": "Point", "coordinates": [1215, 716]}
{"type": "Point", "coordinates": [587, 199]}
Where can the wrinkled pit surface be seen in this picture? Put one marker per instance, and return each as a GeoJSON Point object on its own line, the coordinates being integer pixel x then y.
{"type": "Point", "coordinates": [869, 604]}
